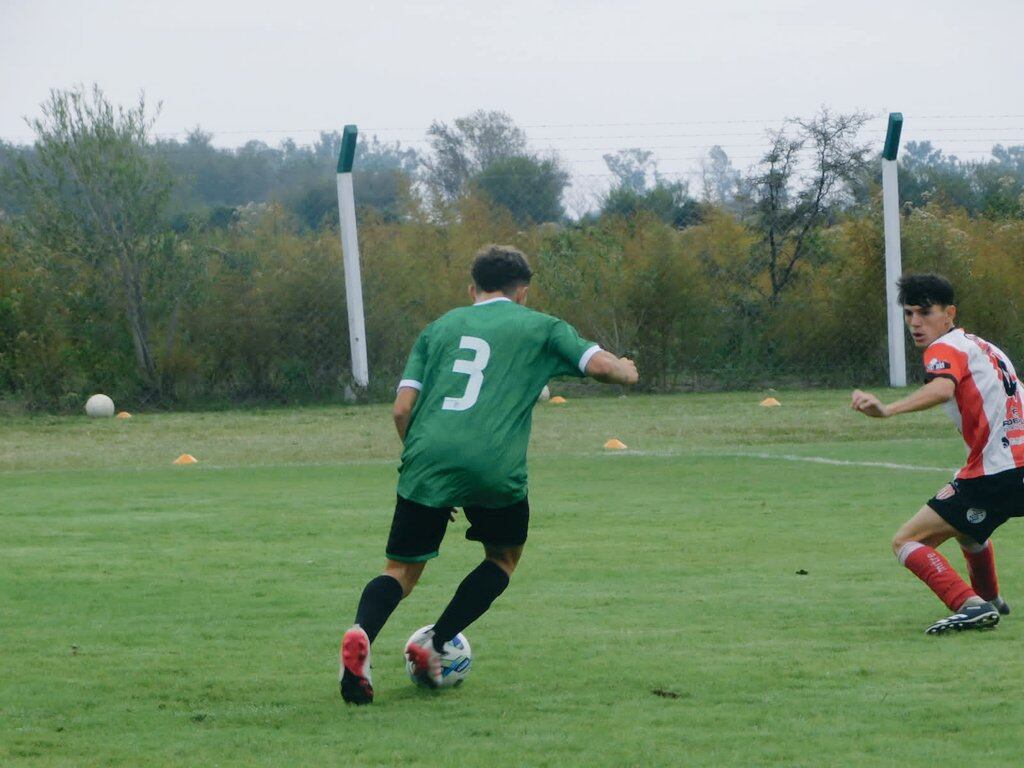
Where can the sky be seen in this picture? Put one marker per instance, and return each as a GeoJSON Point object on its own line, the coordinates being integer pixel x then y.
{"type": "Point", "coordinates": [582, 78]}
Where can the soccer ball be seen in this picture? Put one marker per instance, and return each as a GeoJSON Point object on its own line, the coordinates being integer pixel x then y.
{"type": "Point", "coordinates": [456, 661]}
{"type": "Point", "coordinates": [99, 406]}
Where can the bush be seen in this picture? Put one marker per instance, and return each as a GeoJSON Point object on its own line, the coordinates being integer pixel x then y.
{"type": "Point", "coordinates": [263, 314]}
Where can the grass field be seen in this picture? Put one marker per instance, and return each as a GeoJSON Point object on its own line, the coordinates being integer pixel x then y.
{"type": "Point", "coordinates": [189, 616]}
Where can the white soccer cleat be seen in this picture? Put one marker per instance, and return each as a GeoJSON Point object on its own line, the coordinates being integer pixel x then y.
{"type": "Point", "coordinates": [425, 662]}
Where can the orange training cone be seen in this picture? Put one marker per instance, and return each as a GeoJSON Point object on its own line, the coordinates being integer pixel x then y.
{"type": "Point", "coordinates": [615, 445]}
{"type": "Point", "coordinates": [186, 458]}
{"type": "Point", "coordinates": [124, 415]}
{"type": "Point", "coordinates": [770, 402]}
{"type": "Point", "coordinates": [557, 400]}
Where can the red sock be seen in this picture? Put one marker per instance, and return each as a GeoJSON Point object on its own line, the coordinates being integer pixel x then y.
{"type": "Point", "coordinates": [982, 568]}
{"type": "Point", "coordinates": [935, 571]}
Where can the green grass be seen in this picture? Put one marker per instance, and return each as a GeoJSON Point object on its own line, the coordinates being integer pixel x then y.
{"type": "Point", "coordinates": [159, 615]}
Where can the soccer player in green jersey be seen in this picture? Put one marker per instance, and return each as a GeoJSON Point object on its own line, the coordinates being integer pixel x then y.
{"type": "Point", "coordinates": [464, 410]}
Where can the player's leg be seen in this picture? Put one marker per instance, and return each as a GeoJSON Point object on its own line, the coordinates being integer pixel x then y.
{"type": "Point", "coordinates": [380, 597]}
{"type": "Point", "coordinates": [915, 546]}
{"type": "Point", "coordinates": [481, 587]}
{"type": "Point", "coordinates": [503, 533]}
{"type": "Point", "coordinates": [988, 501]}
{"type": "Point", "coordinates": [382, 594]}
{"type": "Point", "coordinates": [981, 566]}
{"type": "Point", "coordinates": [415, 537]}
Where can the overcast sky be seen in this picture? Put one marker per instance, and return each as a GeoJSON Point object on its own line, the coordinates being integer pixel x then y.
{"type": "Point", "coordinates": [581, 77]}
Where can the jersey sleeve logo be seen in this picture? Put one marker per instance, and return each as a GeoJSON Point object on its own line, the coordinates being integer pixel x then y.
{"type": "Point", "coordinates": [935, 364]}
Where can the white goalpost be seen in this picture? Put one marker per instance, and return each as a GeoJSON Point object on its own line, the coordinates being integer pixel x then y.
{"type": "Point", "coordinates": [893, 257]}
{"type": "Point", "coordinates": [350, 252]}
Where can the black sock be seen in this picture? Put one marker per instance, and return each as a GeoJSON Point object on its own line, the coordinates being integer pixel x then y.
{"type": "Point", "coordinates": [380, 597]}
{"type": "Point", "coordinates": [472, 599]}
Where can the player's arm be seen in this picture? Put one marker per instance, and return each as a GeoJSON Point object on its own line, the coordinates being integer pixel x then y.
{"type": "Point", "coordinates": [609, 369]}
{"type": "Point", "coordinates": [411, 384]}
{"type": "Point", "coordinates": [937, 391]}
{"type": "Point", "coordinates": [402, 410]}
{"type": "Point", "coordinates": [573, 356]}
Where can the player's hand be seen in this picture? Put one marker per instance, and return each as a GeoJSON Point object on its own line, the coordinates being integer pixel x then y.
{"type": "Point", "coordinates": [452, 512]}
{"type": "Point", "coordinates": [627, 369]}
{"type": "Point", "coordinates": [868, 404]}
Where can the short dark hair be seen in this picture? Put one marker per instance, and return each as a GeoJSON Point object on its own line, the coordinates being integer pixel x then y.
{"type": "Point", "coordinates": [500, 268]}
{"type": "Point", "coordinates": [924, 290]}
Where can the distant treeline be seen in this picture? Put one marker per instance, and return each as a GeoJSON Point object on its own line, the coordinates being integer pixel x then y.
{"type": "Point", "coordinates": [486, 151]}
{"type": "Point", "coordinates": [174, 273]}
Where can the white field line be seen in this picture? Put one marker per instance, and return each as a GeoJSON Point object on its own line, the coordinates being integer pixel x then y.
{"type": "Point", "coordinates": [794, 457]}
{"type": "Point", "coordinates": [534, 459]}
{"type": "Point", "coordinates": [845, 462]}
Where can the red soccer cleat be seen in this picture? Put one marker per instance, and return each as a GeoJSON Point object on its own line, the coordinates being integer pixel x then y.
{"type": "Point", "coordinates": [354, 673]}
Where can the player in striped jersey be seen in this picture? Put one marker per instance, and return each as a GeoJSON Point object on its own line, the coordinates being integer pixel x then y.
{"type": "Point", "coordinates": [977, 385]}
{"type": "Point", "coordinates": [463, 411]}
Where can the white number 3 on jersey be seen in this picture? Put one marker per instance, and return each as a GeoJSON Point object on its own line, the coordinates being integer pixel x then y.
{"type": "Point", "coordinates": [474, 369]}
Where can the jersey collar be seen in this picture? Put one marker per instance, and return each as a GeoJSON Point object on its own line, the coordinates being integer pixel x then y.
{"type": "Point", "coordinates": [491, 301]}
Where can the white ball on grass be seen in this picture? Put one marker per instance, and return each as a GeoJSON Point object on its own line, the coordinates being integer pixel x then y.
{"type": "Point", "coordinates": [456, 661]}
{"type": "Point", "coordinates": [545, 395]}
{"type": "Point", "coordinates": [99, 406]}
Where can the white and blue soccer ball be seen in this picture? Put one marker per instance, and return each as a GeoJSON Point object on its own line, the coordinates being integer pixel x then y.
{"type": "Point", "coordinates": [456, 661]}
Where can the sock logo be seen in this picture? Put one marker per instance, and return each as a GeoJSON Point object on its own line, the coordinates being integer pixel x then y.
{"type": "Point", "coordinates": [935, 560]}
{"type": "Point", "coordinates": [976, 515]}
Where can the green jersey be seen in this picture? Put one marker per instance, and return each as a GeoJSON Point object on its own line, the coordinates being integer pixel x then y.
{"type": "Point", "coordinates": [480, 370]}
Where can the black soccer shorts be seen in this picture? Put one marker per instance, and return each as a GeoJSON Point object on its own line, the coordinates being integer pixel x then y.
{"type": "Point", "coordinates": [418, 530]}
{"type": "Point", "coordinates": [978, 505]}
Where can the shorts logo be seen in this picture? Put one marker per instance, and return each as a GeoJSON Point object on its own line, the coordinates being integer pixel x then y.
{"type": "Point", "coordinates": [947, 492]}
{"type": "Point", "coordinates": [937, 365]}
{"type": "Point", "coordinates": [975, 515]}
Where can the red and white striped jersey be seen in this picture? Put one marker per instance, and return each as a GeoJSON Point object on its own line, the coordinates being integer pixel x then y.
{"type": "Point", "coordinates": [987, 405]}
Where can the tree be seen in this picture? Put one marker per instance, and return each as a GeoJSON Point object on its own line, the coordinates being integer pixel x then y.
{"type": "Point", "coordinates": [999, 183]}
{"type": "Point", "coordinates": [792, 201]}
{"type": "Point", "coordinates": [9, 156]}
{"type": "Point", "coordinates": [632, 168]}
{"type": "Point", "coordinates": [463, 150]}
{"type": "Point", "coordinates": [668, 201]}
{"type": "Point", "coordinates": [721, 182]}
{"type": "Point", "coordinates": [530, 189]}
{"type": "Point", "coordinates": [211, 181]}
{"type": "Point", "coordinates": [927, 175]}
{"type": "Point", "coordinates": [97, 197]}
{"type": "Point", "coordinates": [640, 188]}
{"type": "Point", "coordinates": [382, 175]}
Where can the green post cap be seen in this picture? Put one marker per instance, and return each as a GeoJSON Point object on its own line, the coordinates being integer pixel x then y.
{"type": "Point", "coordinates": [348, 149]}
{"type": "Point", "coordinates": [892, 136]}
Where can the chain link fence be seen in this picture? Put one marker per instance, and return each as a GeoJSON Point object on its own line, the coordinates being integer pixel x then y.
{"type": "Point", "coordinates": [744, 284]}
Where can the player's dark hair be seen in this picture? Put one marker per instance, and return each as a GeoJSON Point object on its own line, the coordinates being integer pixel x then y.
{"type": "Point", "coordinates": [924, 290]}
{"type": "Point", "coordinates": [500, 268]}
